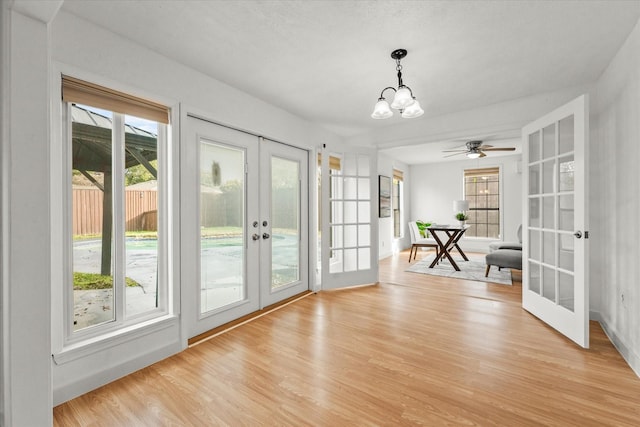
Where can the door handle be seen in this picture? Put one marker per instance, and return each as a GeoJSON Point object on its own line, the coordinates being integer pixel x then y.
{"type": "Point", "coordinates": [578, 234]}
{"type": "Point", "coordinates": [265, 235]}
{"type": "Point", "coordinates": [255, 236]}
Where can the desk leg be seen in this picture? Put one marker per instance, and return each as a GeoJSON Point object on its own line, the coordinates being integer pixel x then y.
{"type": "Point", "coordinates": [452, 237]}
{"type": "Point", "coordinates": [439, 252]}
{"type": "Point", "coordinates": [443, 249]}
{"type": "Point", "coordinates": [455, 244]}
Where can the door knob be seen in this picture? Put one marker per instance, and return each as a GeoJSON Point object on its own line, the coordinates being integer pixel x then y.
{"type": "Point", "coordinates": [578, 234]}
{"type": "Point", "coordinates": [265, 235]}
{"type": "Point", "coordinates": [255, 236]}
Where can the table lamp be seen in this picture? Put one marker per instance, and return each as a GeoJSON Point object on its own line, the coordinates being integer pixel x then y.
{"type": "Point", "coordinates": [460, 208]}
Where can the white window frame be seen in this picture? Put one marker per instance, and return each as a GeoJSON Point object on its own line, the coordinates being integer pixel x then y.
{"type": "Point", "coordinates": [500, 201]}
{"type": "Point", "coordinates": [67, 344]}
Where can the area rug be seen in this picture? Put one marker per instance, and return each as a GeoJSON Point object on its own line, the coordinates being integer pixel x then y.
{"type": "Point", "coordinates": [469, 270]}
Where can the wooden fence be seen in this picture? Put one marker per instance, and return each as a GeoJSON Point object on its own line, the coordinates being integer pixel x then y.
{"type": "Point", "coordinates": [141, 210]}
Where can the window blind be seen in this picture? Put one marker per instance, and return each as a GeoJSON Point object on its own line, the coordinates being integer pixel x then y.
{"type": "Point", "coordinates": [82, 92]}
{"type": "Point", "coordinates": [481, 172]}
{"type": "Point", "coordinates": [334, 162]}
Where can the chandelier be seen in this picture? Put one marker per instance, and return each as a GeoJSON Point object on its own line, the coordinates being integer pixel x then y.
{"type": "Point", "coordinates": [403, 99]}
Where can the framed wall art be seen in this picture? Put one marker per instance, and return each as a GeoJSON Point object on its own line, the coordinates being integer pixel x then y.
{"type": "Point", "coordinates": [384, 194]}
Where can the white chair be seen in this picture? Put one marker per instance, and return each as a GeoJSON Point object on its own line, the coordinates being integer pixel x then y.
{"type": "Point", "coordinates": [417, 241]}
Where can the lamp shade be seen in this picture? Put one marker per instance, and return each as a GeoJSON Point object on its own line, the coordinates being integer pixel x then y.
{"type": "Point", "coordinates": [413, 110]}
{"type": "Point", "coordinates": [460, 206]}
{"type": "Point", "coordinates": [381, 110]}
{"type": "Point", "coordinates": [473, 154]}
{"type": "Point", "coordinates": [402, 99]}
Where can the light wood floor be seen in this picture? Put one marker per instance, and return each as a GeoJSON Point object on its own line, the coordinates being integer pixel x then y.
{"type": "Point", "coordinates": [414, 350]}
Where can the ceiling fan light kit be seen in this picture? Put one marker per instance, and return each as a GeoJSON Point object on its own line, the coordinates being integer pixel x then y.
{"type": "Point", "coordinates": [403, 99]}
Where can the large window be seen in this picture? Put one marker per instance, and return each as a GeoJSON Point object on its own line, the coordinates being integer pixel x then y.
{"type": "Point", "coordinates": [117, 225]}
{"type": "Point", "coordinates": [397, 200]}
{"type": "Point", "coordinates": [482, 190]}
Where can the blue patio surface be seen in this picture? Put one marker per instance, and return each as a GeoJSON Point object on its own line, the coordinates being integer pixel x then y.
{"type": "Point", "coordinates": [221, 264]}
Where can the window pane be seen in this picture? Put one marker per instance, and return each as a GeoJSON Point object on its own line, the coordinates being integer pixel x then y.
{"type": "Point", "coordinates": [92, 214]}
{"type": "Point", "coordinates": [566, 168]}
{"type": "Point", "coordinates": [141, 215]}
{"type": "Point", "coordinates": [566, 296]}
{"type": "Point", "coordinates": [350, 259]}
{"type": "Point", "coordinates": [482, 192]}
{"type": "Point", "coordinates": [549, 284]}
{"type": "Point", "coordinates": [534, 147]}
{"type": "Point", "coordinates": [534, 179]}
{"type": "Point", "coordinates": [549, 141]}
{"type": "Point", "coordinates": [350, 188]}
{"type": "Point", "coordinates": [535, 252]}
{"type": "Point", "coordinates": [364, 258]}
{"type": "Point", "coordinates": [534, 212]}
{"type": "Point", "coordinates": [285, 218]}
{"type": "Point", "coordinates": [222, 195]}
{"type": "Point", "coordinates": [565, 131]}
{"type": "Point", "coordinates": [350, 236]}
{"type": "Point", "coordinates": [534, 277]}
{"type": "Point", "coordinates": [337, 236]}
{"type": "Point", "coordinates": [566, 212]}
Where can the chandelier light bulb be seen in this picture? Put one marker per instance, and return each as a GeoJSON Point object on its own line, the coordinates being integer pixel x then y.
{"type": "Point", "coordinates": [412, 111]}
{"type": "Point", "coordinates": [382, 110]}
{"type": "Point", "coordinates": [403, 99]}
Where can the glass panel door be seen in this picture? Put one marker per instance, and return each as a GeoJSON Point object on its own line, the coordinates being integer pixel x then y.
{"type": "Point", "coordinates": [220, 261]}
{"type": "Point", "coordinates": [244, 224]}
{"type": "Point", "coordinates": [555, 285]}
{"type": "Point", "coordinates": [284, 223]}
{"type": "Point", "coordinates": [350, 203]}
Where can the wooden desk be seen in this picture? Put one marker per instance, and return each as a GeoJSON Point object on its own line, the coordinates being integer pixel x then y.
{"type": "Point", "coordinates": [453, 234]}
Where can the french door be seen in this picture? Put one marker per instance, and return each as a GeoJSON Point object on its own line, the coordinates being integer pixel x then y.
{"type": "Point", "coordinates": [555, 284]}
{"type": "Point", "coordinates": [244, 219]}
{"type": "Point", "coordinates": [349, 224]}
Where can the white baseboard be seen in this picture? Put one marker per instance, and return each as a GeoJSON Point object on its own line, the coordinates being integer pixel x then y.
{"type": "Point", "coordinates": [103, 377]}
{"type": "Point", "coordinates": [632, 359]}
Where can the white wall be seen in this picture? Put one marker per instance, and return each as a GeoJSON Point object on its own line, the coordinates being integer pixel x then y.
{"type": "Point", "coordinates": [615, 200]}
{"type": "Point", "coordinates": [26, 290]}
{"type": "Point", "coordinates": [436, 185]}
{"type": "Point", "coordinates": [387, 243]}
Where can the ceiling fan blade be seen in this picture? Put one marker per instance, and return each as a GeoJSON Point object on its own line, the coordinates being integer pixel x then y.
{"type": "Point", "coordinates": [454, 151]}
{"type": "Point", "coordinates": [482, 147]}
{"type": "Point", "coordinates": [499, 149]}
{"type": "Point", "coordinates": [482, 155]}
{"type": "Point", "coordinates": [455, 154]}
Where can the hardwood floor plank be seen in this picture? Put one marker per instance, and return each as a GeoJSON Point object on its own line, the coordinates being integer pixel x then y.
{"type": "Point", "coordinates": [413, 350]}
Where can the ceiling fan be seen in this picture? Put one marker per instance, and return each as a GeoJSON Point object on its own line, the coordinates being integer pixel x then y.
{"type": "Point", "coordinates": [476, 149]}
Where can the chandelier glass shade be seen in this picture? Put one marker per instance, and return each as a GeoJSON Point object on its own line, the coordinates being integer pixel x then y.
{"type": "Point", "coordinates": [403, 98]}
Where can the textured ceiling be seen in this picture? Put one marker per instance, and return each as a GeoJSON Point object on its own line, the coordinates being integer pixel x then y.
{"type": "Point", "coordinates": [327, 61]}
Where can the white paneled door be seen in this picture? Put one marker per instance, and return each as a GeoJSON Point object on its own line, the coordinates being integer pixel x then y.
{"type": "Point", "coordinates": [555, 285]}
{"type": "Point", "coordinates": [244, 232]}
